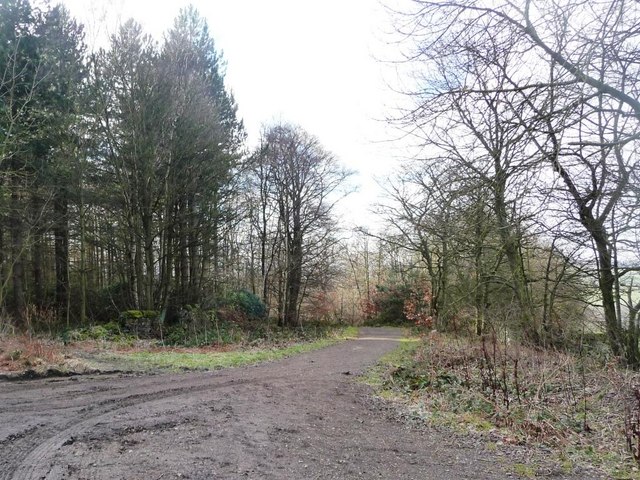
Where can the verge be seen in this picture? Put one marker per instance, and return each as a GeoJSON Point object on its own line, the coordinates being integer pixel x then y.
{"type": "Point", "coordinates": [437, 383]}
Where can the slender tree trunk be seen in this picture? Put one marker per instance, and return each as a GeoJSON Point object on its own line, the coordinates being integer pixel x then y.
{"type": "Point", "coordinates": [511, 246]}
{"type": "Point", "coordinates": [16, 223]}
{"type": "Point", "coordinates": [139, 267]}
{"type": "Point", "coordinates": [606, 282]}
{"type": "Point", "coordinates": [61, 249]}
{"type": "Point", "coordinates": [478, 294]}
{"type": "Point", "coordinates": [183, 260]}
{"type": "Point", "coordinates": [444, 285]}
{"type": "Point", "coordinates": [215, 250]}
{"type": "Point", "coordinates": [192, 253]}
{"type": "Point", "coordinates": [294, 276]}
{"type": "Point", "coordinates": [167, 260]}
{"type": "Point", "coordinates": [367, 270]}
{"type": "Point", "coordinates": [132, 271]}
{"type": "Point", "coordinates": [148, 262]}
{"type": "Point", "coordinates": [633, 334]}
{"type": "Point", "coordinates": [263, 257]}
{"type": "Point", "coordinates": [83, 259]}
{"type": "Point", "coordinates": [38, 255]}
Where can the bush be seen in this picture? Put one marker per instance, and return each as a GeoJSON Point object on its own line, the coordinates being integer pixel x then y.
{"type": "Point", "coordinates": [386, 305]}
{"type": "Point", "coordinates": [247, 303]}
{"type": "Point", "coordinates": [138, 314]}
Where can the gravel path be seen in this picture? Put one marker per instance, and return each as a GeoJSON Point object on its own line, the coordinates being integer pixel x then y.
{"type": "Point", "coordinates": [301, 418]}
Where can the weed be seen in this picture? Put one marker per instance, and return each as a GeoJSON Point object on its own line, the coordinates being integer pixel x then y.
{"type": "Point", "coordinates": [19, 352]}
{"type": "Point", "coordinates": [14, 355]}
{"type": "Point", "coordinates": [39, 319]}
{"type": "Point", "coordinates": [523, 470]}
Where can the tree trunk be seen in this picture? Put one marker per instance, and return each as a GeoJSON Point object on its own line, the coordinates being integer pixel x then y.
{"type": "Point", "coordinates": [183, 260]}
{"type": "Point", "coordinates": [38, 255]}
{"type": "Point", "coordinates": [61, 250]}
{"type": "Point", "coordinates": [511, 246]}
{"type": "Point", "coordinates": [294, 277]}
{"type": "Point", "coordinates": [83, 260]}
{"type": "Point", "coordinates": [606, 281]}
{"type": "Point", "coordinates": [149, 263]}
{"type": "Point", "coordinates": [478, 294]}
{"type": "Point", "coordinates": [17, 253]}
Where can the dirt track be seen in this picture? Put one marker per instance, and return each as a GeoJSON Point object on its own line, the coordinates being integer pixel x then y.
{"type": "Point", "coordinates": [301, 418]}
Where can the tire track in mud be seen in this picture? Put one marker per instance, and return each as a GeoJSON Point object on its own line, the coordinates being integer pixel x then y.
{"type": "Point", "coordinates": [36, 464]}
{"type": "Point", "coordinates": [79, 405]}
{"type": "Point", "coordinates": [23, 461]}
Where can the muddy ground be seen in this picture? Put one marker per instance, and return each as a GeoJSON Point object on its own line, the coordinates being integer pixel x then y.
{"type": "Point", "coordinates": [305, 417]}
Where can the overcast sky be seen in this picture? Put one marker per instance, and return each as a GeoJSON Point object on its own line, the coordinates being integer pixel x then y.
{"type": "Point", "coordinates": [316, 63]}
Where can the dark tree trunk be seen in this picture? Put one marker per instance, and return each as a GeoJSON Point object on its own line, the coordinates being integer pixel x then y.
{"type": "Point", "coordinates": [61, 247]}
{"type": "Point", "coordinates": [182, 271]}
{"type": "Point", "coordinates": [16, 224]}
{"type": "Point", "coordinates": [38, 255]}
{"type": "Point", "coordinates": [511, 245]}
{"type": "Point", "coordinates": [294, 276]}
{"type": "Point", "coordinates": [149, 264]}
{"type": "Point", "coordinates": [606, 280]}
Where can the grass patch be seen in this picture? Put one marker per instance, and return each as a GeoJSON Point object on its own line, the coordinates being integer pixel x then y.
{"type": "Point", "coordinates": [171, 359]}
{"type": "Point", "coordinates": [526, 471]}
{"type": "Point", "coordinates": [378, 375]}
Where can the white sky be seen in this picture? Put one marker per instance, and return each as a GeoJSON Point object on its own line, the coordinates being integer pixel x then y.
{"type": "Point", "coordinates": [310, 62]}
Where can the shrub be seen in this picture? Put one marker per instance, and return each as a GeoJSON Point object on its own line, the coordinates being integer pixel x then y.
{"type": "Point", "coordinates": [138, 314]}
{"type": "Point", "coordinates": [248, 303]}
{"type": "Point", "coordinates": [386, 305]}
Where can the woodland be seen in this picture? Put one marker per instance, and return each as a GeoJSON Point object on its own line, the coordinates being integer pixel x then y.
{"type": "Point", "coordinates": [510, 239]}
{"type": "Point", "coordinates": [127, 185]}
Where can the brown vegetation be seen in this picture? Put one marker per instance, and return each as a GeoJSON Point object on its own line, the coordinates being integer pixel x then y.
{"type": "Point", "coordinates": [581, 405]}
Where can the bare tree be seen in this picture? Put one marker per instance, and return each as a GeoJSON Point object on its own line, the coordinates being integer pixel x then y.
{"type": "Point", "coordinates": [569, 88]}
{"type": "Point", "coordinates": [306, 182]}
{"type": "Point", "coordinates": [593, 140]}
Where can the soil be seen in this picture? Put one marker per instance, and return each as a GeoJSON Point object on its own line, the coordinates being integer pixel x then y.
{"type": "Point", "coordinates": [306, 417]}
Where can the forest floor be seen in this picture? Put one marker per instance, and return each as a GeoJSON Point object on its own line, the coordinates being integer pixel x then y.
{"type": "Point", "coordinates": [305, 416]}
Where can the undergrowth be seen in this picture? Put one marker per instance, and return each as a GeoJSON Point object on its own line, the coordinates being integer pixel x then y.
{"type": "Point", "coordinates": [75, 349]}
{"type": "Point", "coordinates": [576, 405]}
{"type": "Point", "coordinates": [25, 352]}
{"type": "Point", "coordinates": [216, 331]}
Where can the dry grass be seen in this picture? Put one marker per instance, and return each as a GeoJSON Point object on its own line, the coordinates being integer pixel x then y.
{"type": "Point", "coordinates": [23, 352]}
{"type": "Point", "coordinates": [573, 403]}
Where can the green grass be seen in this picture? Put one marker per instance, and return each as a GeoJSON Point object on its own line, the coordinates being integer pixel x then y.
{"type": "Point", "coordinates": [377, 375]}
{"type": "Point", "coordinates": [526, 471]}
{"type": "Point", "coordinates": [172, 360]}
